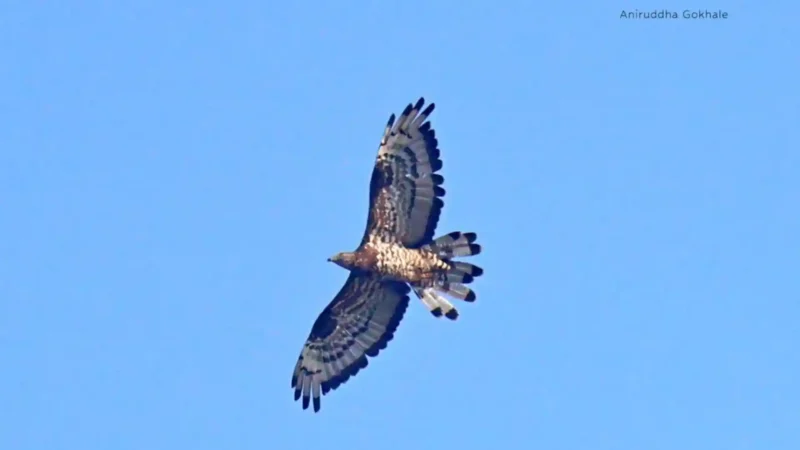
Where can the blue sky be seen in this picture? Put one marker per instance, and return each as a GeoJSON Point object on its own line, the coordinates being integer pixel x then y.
{"type": "Point", "coordinates": [173, 177]}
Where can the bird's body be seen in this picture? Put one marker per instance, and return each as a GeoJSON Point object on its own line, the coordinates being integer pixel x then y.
{"type": "Point", "coordinates": [411, 265]}
{"type": "Point", "coordinates": [395, 262]}
{"type": "Point", "coordinates": [397, 254]}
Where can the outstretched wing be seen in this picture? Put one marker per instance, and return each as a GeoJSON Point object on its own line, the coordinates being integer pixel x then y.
{"type": "Point", "coordinates": [405, 190]}
{"type": "Point", "coordinates": [359, 322]}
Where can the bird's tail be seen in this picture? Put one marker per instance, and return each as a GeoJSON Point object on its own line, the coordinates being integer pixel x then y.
{"type": "Point", "coordinates": [451, 282]}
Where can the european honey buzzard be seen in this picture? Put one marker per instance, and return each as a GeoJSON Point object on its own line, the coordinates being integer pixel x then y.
{"type": "Point", "coordinates": [397, 254]}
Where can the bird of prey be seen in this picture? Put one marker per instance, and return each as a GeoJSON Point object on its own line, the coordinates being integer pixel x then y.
{"type": "Point", "coordinates": [397, 254]}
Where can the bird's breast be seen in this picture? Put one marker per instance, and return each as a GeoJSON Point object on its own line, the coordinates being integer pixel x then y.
{"type": "Point", "coordinates": [406, 264]}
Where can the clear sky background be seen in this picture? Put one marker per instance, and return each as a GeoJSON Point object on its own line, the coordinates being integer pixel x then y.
{"type": "Point", "coordinates": [173, 176]}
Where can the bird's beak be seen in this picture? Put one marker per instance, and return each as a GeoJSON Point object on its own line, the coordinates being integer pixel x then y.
{"type": "Point", "coordinates": [329, 260]}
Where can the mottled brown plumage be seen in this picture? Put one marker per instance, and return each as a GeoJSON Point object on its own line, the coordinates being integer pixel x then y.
{"type": "Point", "coordinates": [394, 262]}
{"type": "Point", "coordinates": [397, 254]}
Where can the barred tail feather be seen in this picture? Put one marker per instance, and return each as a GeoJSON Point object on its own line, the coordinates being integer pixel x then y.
{"type": "Point", "coordinates": [465, 269]}
{"type": "Point", "coordinates": [454, 245]}
{"type": "Point", "coordinates": [435, 303]}
{"type": "Point", "coordinates": [456, 290]}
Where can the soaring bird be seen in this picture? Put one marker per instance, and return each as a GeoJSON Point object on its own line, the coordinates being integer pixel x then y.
{"type": "Point", "coordinates": [397, 254]}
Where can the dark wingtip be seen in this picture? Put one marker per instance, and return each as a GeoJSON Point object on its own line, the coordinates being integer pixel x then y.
{"type": "Point", "coordinates": [468, 278]}
{"type": "Point", "coordinates": [429, 109]}
{"type": "Point", "coordinates": [297, 394]}
{"type": "Point", "coordinates": [452, 314]}
{"type": "Point", "coordinates": [437, 312]}
{"type": "Point", "coordinates": [470, 297]}
{"type": "Point", "coordinates": [476, 271]}
{"type": "Point", "coordinates": [439, 191]}
{"type": "Point", "coordinates": [391, 121]}
{"type": "Point", "coordinates": [471, 237]}
{"type": "Point", "coordinates": [316, 404]}
{"type": "Point", "coordinates": [475, 249]}
{"type": "Point", "coordinates": [419, 104]}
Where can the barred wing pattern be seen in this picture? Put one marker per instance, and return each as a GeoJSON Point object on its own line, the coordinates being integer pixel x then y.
{"type": "Point", "coordinates": [405, 190]}
{"type": "Point", "coordinates": [359, 322]}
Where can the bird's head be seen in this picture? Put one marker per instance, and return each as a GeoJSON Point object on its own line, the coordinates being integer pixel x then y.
{"type": "Point", "coordinates": [344, 259]}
